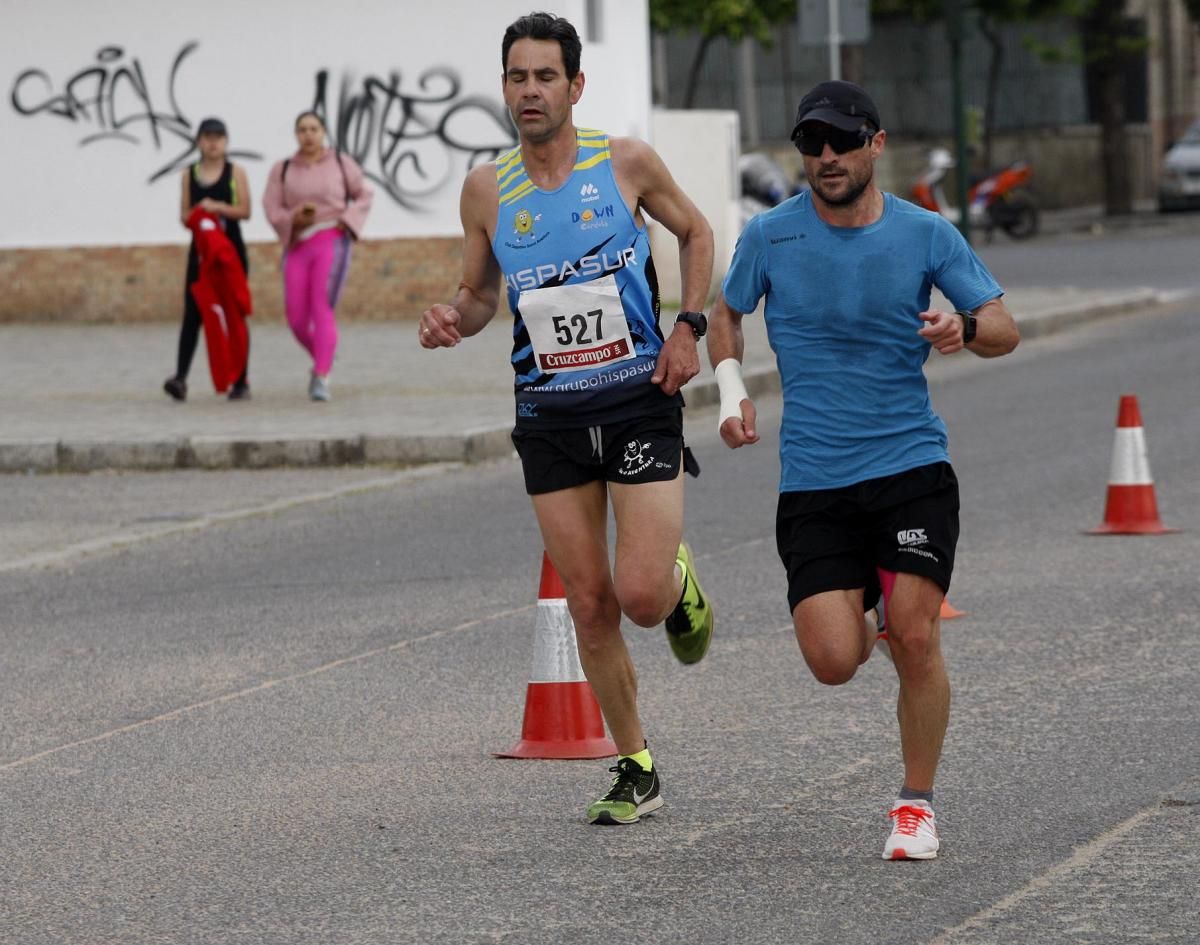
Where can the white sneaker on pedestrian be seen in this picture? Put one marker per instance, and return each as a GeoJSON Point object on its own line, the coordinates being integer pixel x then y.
{"type": "Point", "coordinates": [318, 388]}
{"type": "Point", "coordinates": [914, 832]}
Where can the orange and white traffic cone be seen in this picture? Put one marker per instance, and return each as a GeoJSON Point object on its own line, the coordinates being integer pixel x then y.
{"type": "Point", "coordinates": [1130, 507]}
{"type": "Point", "coordinates": [562, 716]}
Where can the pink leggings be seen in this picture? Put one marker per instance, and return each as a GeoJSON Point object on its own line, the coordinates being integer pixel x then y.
{"type": "Point", "coordinates": [314, 273]}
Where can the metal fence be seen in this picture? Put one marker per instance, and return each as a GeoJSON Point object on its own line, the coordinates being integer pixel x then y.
{"type": "Point", "coordinates": [906, 68]}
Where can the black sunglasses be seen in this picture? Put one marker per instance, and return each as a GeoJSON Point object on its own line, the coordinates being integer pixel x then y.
{"type": "Point", "coordinates": [811, 141]}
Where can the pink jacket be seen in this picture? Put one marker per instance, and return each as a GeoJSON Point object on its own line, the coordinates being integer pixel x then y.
{"type": "Point", "coordinates": [321, 184]}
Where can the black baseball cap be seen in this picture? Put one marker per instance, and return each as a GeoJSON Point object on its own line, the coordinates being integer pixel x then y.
{"type": "Point", "coordinates": [212, 126]}
{"type": "Point", "coordinates": [841, 104]}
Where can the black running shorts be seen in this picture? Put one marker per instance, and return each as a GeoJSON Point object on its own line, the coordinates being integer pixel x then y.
{"type": "Point", "coordinates": [647, 449]}
{"type": "Point", "coordinates": [834, 539]}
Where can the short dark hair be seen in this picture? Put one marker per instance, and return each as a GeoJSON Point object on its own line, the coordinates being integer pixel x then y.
{"type": "Point", "coordinates": [211, 126]}
{"type": "Point", "coordinates": [545, 26]}
{"type": "Point", "coordinates": [309, 114]}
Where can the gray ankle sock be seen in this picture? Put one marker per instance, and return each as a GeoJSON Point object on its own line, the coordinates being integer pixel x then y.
{"type": "Point", "coordinates": [908, 794]}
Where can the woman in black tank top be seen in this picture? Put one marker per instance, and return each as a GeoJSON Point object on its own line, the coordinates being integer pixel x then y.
{"type": "Point", "coordinates": [222, 189]}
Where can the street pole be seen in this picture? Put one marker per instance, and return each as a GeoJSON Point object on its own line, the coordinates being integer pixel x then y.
{"type": "Point", "coordinates": [954, 32]}
{"type": "Point", "coordinates": [835, 42]}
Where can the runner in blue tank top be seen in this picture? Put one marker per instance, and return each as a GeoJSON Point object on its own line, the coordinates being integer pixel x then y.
{"type": "Point", "coordinates": [868, 503]}
{"type": "Point", "coordinates": [558, 221]}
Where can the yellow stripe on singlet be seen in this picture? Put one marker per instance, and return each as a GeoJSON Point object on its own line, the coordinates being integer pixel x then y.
{"type": "Point", "coordinates": [518, 192]}
{"type": "Point", "coordinates": [511, 179]}
{"type": "Point", "coordinates": [507, 161]}
{"type": "Point", "coordinates": [593, 160]}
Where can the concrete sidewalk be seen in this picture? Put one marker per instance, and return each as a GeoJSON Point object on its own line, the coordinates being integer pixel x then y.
{"type": "Point", "coordinates": [79, 398]}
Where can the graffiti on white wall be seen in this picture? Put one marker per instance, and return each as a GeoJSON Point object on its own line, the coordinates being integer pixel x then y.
{"type": "Point", "coordinates": [112, 99]}
{"type": "Point", "coordinates": [410, 137]}
{"type": "Point", "coordinates": [104, 99]}
{"type": "Point", "coordinates": [408, 134]}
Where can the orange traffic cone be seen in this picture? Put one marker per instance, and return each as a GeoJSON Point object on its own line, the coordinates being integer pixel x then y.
{"type": "Point", "coordinates": [949, 611]}
{"type": "Point", "coordinates": [887, 580]}
{"type": "Point", "coordinates": [562, 716]}
{"type": "Point", "coordinates": [1130, 507]}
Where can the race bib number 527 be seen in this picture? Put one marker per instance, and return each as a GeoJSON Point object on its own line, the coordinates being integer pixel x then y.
{"type": "Point", "coordinates": [576, 327]}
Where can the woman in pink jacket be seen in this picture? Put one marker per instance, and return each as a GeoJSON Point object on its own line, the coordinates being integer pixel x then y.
{"type": "Point", "coordinates": [317, 200]}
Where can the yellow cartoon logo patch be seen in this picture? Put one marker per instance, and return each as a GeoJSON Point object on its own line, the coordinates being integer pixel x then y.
{"type": "Point", "coordinates": [523, 222]}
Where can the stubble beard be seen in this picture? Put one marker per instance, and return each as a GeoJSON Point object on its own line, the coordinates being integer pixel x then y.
{"type": "Point", "coordinates": [850, 197]}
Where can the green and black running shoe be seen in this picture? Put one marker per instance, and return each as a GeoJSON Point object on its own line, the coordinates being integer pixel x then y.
{"type": "Point", "coordinates": [690, 624]}
{"type": "Point", "coordinates": [634, 792]}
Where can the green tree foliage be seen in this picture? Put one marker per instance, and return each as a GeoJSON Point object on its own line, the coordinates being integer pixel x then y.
{"type": "Point", "coordinates": [734, 20]}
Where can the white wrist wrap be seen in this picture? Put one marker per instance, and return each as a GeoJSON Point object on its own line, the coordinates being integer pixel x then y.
{"type": "Point", "coordinates": [732, 388]}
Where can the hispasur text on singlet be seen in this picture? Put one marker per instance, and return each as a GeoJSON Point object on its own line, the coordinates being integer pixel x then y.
{"type": "Point", "coordinates": [583, 292]}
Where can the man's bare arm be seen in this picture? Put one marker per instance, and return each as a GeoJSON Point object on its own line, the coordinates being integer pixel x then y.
{"type": "Point", "coordinates": [996, 331]}
{"type": "Point", "coordinates": [638, 165]}
{"type": "Point", "coordinates": [726, 346]}
{"type": "Point", "coordinates": [664, 200]}
{"type": "Point", "coordinates": [478, 296]}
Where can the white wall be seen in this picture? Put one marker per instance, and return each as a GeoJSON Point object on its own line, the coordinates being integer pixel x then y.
{"type": "Point", "coordinates": [82, 170]}
{"type": "Point", "coordinates": [701, 148]}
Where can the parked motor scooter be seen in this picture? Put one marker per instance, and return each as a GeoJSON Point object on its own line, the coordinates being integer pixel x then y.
{"type": "Point", "coordinates": [997, 201]}
{"type": "Point", "coordinates": [765, 184]}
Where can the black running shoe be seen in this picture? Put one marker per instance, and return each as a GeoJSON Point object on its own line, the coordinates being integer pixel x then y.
{"type": "Point", "coordinates": [239, 392]}
{"type": "Point", "coordinates": [634, 792]}
{"type": "Point", "coordinates": [176, 387]}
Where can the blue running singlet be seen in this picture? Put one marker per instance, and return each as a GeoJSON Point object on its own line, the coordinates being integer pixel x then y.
{"type": "Point", "coordinates": [583, 292]}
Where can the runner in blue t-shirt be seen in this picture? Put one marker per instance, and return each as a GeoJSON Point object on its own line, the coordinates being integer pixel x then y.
{"type": "Point", "coordinates": [598, 410]}
{"type": "Point", "coordinates": [868, 505]}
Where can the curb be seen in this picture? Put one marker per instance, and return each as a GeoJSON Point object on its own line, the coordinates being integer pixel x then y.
{"type": "Point", "coordinates": [1068, 316]}
{"type": "Point", "coordinates": [472, 446]}
{"type": "Point", "coordinates": [215, 452]}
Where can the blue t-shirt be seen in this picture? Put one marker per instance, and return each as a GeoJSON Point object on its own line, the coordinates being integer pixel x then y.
{"type": "Point", "coordinates": [841, 315]}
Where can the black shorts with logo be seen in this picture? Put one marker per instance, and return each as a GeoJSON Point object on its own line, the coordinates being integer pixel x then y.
{"type": "Point", "coordinates": [646, 449]}
{"type": "Point", "coordinates": [834, 539]}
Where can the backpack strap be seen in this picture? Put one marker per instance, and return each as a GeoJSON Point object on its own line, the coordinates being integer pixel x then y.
{"type": "Point", "coordinates": [345, 179]}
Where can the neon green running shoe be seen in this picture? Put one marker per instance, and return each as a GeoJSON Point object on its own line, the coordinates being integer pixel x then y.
{"type": "Point", "coordinates": [634, 792]}
{"type": "Point", "coordinates": [690, 624]}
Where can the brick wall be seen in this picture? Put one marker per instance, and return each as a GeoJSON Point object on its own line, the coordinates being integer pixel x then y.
{"type": "Point", "coordinates": [388, 279]}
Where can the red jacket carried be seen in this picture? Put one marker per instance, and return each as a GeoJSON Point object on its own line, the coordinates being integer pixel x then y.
{"type": "Point", "coordinates": [223, 297]}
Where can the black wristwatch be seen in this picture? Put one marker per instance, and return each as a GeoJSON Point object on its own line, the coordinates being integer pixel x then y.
{"type": "Point", "coordinates": [969, 326]}
{"type": "Point", "coordinates": [697, 320]}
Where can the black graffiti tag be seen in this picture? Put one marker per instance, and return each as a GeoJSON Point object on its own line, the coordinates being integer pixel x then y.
{"type": "Point", "coordinates": [111, 100]}
{"type": "Point", "coordinates": [407, 140]}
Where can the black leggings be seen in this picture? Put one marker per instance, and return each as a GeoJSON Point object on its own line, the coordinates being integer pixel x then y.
{"type": "Point", "coordinates": [189, 331]}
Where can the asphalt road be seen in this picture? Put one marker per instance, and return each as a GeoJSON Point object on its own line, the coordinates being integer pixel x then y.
{"type": "Point", "coordinates": [277, 727]}
{"type": "Point", "coordinates": [1160, 250]}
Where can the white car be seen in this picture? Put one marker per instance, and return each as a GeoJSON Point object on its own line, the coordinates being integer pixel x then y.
{"type": "Point", "coordinates": [1179, 184]}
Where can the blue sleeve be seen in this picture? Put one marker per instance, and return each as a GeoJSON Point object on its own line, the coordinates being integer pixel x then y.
{"type": "Point", "coordinates": [746, 280]}
{"type": "Point", "coordinates": [957, 271]}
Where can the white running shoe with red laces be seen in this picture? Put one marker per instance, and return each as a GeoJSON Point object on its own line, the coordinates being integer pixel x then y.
{"type": "Point", "coordinates": [914, 832]}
